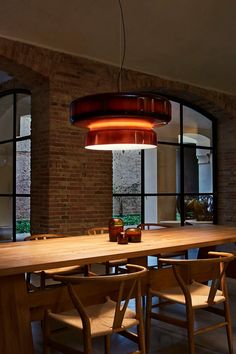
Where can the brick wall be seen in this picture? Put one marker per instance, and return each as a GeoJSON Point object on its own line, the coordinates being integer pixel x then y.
{"type": "Point", "coordinates": [72, 187]}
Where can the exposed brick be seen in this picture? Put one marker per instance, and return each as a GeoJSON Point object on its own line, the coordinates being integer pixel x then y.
{"type": "Point", "coordinates": [71, 187]}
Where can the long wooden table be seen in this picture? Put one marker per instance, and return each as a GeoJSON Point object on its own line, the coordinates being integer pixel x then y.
{"type": "Point", "coordinates": [16, 305]}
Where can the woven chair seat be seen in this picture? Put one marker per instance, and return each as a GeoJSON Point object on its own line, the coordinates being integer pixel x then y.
{"type": "Point", "coordinates": [199, 295]}
{"type": "Point", "coordinates": [101, 318]}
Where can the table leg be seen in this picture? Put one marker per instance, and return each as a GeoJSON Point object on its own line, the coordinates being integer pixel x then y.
{"type": "Point", "coordinates": [203, 251]}
{"type": "Point", "coordinates": [15, 326]}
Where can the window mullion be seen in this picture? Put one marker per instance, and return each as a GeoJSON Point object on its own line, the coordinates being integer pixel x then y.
{"type": "Point", "coordinates": [14, 170]}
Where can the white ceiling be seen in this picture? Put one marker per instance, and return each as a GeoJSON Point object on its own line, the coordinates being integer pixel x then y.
{"type": "Point", "coordinates": [191, 41]}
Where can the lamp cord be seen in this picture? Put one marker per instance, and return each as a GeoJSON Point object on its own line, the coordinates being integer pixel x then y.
{"type": "Point", "coordinates": [124, 47]}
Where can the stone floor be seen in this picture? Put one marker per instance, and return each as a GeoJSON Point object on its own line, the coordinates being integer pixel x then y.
{"type": "Point", "coordinates": [166, 339]}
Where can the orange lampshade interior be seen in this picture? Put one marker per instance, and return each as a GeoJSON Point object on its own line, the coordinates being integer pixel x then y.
{"type": "Point", "coordinates": [119, 123]}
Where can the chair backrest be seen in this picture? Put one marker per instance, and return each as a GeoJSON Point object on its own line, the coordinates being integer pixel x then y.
{"type": "Point", "coordinates": [189, 271]}
{"type": "Point", "coordinates": [120, 287]}
{"type": "Point", "coordinates": [98, 230]}
{"type": "Point", "coordinates": [43, 237]}
{"type": "Point", "coordinates": [152, 226]}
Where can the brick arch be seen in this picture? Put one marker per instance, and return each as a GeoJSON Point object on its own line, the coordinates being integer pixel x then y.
{"type": "Point", "coordinates": [21, 73]}
{"type": "Point", "coordinates": [24, 77]}
{"type": "Point", "coordinates": [216, 104]}
{"type": "Point", "coordinates": [24, 59]}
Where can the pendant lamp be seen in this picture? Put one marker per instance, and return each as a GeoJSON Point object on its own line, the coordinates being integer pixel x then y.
{"type": "Point", "coordinates": [120, 120]}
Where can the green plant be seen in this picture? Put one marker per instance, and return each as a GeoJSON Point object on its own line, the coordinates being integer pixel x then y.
{"type": "Point", "coordinates": [22, 226]}
{"type": "Point", "coordinates": [133, 219]}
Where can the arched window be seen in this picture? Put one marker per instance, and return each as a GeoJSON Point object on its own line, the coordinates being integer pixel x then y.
{"type": "Point", "coordinates": [15, 160]}
{"type": "Point", "coordinates": [173, 183]}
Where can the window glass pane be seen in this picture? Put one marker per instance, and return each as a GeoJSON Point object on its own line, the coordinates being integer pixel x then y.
{"type": "Point", "coordinates": [205, 168]}
{"type": "Point", "coordinates": [162, 171]}
{"type": "Point", "coordinates": [150, 171]}
{"type": "Point", "coordinates": [6, 117]}
{"type": "Point", "coordinates": [5, 218]}
{"type": "Point", "coordinates": [198, 208]}
{"type": "Point", "coordinates": [126, 171]}
{"type": "Point", "coordinates": [23, 166]}
{"type": "Point", "coordinates": [191, 177]}
{"type": "Point", "coordinates": [150, 210]}
{"type": "Point", "coordinates": [197, 170]}
{"type": "Point", "coordinates": [128, 209]}
{"type": "Point", "coordinates": [162, 209]}
{"type": "Point", "coordinates": [197, 128]}
{"type": "Point", "coordinates": [6, 168]}
{"type": "Point", "coordinates": [23, 115]}
{"type": "Point", "coordinates": [22, 217]}
{"type": "Point", "coordinates": [171, 131]}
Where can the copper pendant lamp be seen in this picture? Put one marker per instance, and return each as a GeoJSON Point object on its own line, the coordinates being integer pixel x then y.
{"type": "Point", "coordinates": [120, 120]}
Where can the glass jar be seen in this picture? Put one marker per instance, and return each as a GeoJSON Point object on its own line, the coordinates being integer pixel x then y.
{"type": "Point", "coordinates": [116, 226]}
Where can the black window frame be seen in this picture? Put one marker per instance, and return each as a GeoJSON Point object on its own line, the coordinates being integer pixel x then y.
{"type": "Point", "coordinates": [182, 146]}
{"type": "Point", "coordinates": [14, 141]}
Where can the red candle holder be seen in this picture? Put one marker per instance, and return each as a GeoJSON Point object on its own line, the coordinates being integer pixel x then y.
{"type": "Point", "coordinates": [133, 234]}
{"type": "Point", "coordinates": [122, 238]}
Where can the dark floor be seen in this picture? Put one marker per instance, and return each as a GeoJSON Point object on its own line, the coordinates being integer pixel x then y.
{"type": "Point", "coordinates": [167, 339]}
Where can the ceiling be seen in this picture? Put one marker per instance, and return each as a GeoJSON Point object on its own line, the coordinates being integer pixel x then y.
{"type": "Point", "coordinates": [190, 41]}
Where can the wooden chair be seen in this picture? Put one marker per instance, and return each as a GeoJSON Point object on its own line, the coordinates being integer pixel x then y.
{"type": "Point", "coordinates": [154, 226]}
{"type": "Point", "coordinates": [49, 273]}
{"type": "Point", "coordinates": [109, 313]}
{"type": "Point", "coordinates": [116, 263]}
{"type": "Point", "coordinates": [195, 284]}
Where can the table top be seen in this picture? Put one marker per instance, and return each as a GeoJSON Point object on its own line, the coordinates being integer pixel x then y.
{"type": "Point", "coordinates": [20, 257]}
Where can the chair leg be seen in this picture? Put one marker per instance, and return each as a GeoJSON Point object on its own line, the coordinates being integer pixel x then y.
{"type": "Point", "coordinates": [87, 269]}
{"type": "Point", "coordinates": [141, 338]}
{"type": "Point", "coordinates": [46, 332]}
{"type": "Point", "coordinates": [186, 254]}
{"type": "Point", "coordinates": [28, 281]}
{"type": "Point", "coordinates": [87, 340]}
{"type": "Point", "coordinates": [228, 327]}
{"type": "Point", "coordinates": [107, 268]}
{"type": "Point", "coordinates": [143, 303]}
{"type": "Point", "coordinates": [148, 320]}
{"type": "Point", "coordinates": [107, 343]}
{"type": "Point", "coordinates": [42, 281]}
{"type": "Point", "coordinates": [190, 330]}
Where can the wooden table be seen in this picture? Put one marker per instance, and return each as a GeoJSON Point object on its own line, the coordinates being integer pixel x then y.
{"type": "Point", "coordinates": [17, 258]}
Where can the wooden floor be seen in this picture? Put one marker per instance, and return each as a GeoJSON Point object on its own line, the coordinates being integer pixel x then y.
{"type": "Point", "coordinates": [166, 339]}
